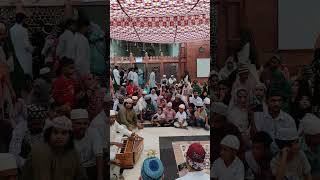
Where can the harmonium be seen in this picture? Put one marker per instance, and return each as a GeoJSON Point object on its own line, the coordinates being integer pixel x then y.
{"type": "Point", "coordinates": [130, 152]}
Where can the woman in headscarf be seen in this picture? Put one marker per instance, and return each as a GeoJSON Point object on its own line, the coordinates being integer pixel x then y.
{"type": "Point", "coordinates": [227, 69]}
{"type": "Point", "coordinates": [238, 112]}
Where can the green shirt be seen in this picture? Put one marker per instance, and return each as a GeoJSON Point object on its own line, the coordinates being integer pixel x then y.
{"type": "Point", "coordinates": [127, 117]}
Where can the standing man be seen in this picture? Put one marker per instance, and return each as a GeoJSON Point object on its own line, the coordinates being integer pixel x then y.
{"type": "Point", "coordinates": [135, 77]}
{"type": "Point", "coordinates": [152, 79]}
{"type": "Point", "coordinates": [81, 48]}
{"type": "Point", "coordinates": [21, 44]}
{"type": "Point", "coordinates": [65, 45]}
{"type": "Point", "coordinates": [116, 76]}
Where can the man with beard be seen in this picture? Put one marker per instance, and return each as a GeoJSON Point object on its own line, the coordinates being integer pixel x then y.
{"type": "Point", "coordinates": [273, 118]}
{"type": "Point", "coordinates": [28, 133]}
{"type": "Point", "coordinates": [88, 143]}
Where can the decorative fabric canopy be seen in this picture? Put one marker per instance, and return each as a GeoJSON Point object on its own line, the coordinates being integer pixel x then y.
{"type": "Point", "coordinates": [160, 21]}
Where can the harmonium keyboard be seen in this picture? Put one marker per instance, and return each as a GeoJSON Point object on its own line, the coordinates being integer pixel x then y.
{"type": "Point", "coordinates": [130, 152]}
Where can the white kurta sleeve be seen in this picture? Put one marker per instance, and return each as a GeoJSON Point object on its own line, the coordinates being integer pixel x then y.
{"type": "Point", "coordinates": [122, 129]}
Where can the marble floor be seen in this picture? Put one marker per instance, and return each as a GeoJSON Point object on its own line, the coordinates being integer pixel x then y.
{"type": "Point", "coordinates": [151, 142]}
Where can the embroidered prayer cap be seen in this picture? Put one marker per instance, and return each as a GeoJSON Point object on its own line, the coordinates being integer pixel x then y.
{"type": "Point", "coordinates": [36, 111]}
{"type": "Point", "coordinates": [310, 124]}
{"type": "Point", "coordinates": [44, 70]}
{"type": "Point", "coordinates": [182, 106]}
{"type": "Point", "coordinates": [79, 114]}
{"type": "Point", "coordinates": [169, 104]}
{"type": "Point", "coordinates": [129, 100]}
{"type": "Point", "coordinates": [164, 75]}
{"type": "Point", "coordinates": [287, 134]}
{"type": "Point", "coordinates": [144, 92]}
{"type": "Point", "coordinates": [195, 156]}
{"type": "Point", "coordinates": [134, 97]}
{"type": "Point", "coordinates": [178, 95]}
{"type": "Point", "coordinates": [231, 141]}
{"type": "Point", "coordinates": [61, 122]}
{"type": "Point", "coordinates": [152, 169]}
{"type": "Point", "coordinates": [220, 108]}
{"type": "Point", "coordinates": [8, 163]}
{"type": "Point", "coordinates": [172, 76]}
{"type": "Point", "coordinates": [206, 101]}
{"type": "Point", "coordinates": [113, 113]}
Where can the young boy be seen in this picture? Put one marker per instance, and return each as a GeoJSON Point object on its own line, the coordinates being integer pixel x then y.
{"type": "Point", "coordinates": [257, 160]}
{"type": "Point", "coordinates": [228, 166]}
{"type": "Point", "coordinates": [290, 162]}
{"type": "Point", "coordinates": [159, 118]}
{"type": "Point", "coordinates": [181, 118]}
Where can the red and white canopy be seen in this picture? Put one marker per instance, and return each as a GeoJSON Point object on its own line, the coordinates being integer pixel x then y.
{"type": "Point", "coordinates": [160, 21]}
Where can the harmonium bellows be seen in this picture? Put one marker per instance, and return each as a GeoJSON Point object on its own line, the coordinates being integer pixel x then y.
{"type": "Point", "coordinates": [130, 152]}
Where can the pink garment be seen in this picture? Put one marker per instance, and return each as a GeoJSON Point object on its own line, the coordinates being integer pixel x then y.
{"type": "Point", "coordinates": [170, 114]}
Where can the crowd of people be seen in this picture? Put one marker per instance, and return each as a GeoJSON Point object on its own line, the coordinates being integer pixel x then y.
{"type": "Point", "coordinates": [139, 100]}
{"type": "Point", "coordinates": [53, 100]}
{"type": "Point", "coordinates": [166, 103]}
{"type": "Point", "coordinates": [265, 123]}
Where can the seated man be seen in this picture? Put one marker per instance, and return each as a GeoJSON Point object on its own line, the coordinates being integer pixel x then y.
{"type": "Point", "coordinates": [181, 118]}
{"type": "Point", "coordinates": [128, 117]}
{"type": "Point", "coordinates": [170, 114]}
{"type": "Point", "coordinates": [159, 118]}
{"type": "Point", "coordinates": [136, 108]}
{"type": "Point", "coordinates": [115, 143]}
{"type": "Point", "coordinates": [201, 117]}
{"type": "Point", "coordinates": [150, 109]}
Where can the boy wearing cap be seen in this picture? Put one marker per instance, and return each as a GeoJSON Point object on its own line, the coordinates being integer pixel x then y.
{"type": "Point", "coordinates": [201, 117]}
{"type": "Point", "coordinates": [88, 143]}
{"type": "Point", "coordinates": [181, 118]}
{"type": "Point", "coordinates": [164, 80]}
{"type": "Point", "coordinates": [195, 158]}
{"type": "Point", "coordinates": [56, 157]}
{"type": "Point", "coordinates": [27, 134]}
{"type": "Point", "coordinates": [290, 162]}
{"type": "Point", "coordinates": [228, 166]}
{"type": "Point", "coordinates": [310, 126]}
{"type": "Point", "coordinates": [8, 167]}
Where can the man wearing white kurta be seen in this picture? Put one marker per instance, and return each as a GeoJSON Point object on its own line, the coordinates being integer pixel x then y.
{"type": "Point", "coordinates": [115, 142]}
{"type": "Point", "coordinates": [152, 79]}
{"type": "Point", "coordinates": [116, 75]}
{"type": "Point", "coordinates": [65, 45]}
{"type": "Point", "coordinates": [21, 43]}
{"type": "Point", "coordinates": [81, 50]}
{"type": "Point", "coordinates": [135, 77]}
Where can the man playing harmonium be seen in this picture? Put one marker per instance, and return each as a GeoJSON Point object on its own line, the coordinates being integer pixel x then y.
{"type": "Point", "coordinates": [115, 142]}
